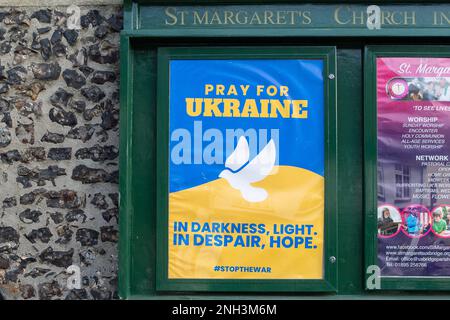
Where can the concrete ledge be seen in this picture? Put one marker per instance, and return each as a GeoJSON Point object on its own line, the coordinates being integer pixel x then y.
{"type": "Point", "coordinates": [52, 3]}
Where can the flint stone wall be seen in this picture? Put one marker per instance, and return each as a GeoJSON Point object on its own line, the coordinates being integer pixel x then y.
{"type": "Point", "coordinates": [59, 114]}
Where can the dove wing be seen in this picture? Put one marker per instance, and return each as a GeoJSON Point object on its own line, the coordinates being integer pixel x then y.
{"type": "Point", "coordinates": [260, 166]}
{"type": "Point", "coordinates": [239, 156]}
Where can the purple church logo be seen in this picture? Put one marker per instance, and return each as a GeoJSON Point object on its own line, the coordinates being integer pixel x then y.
{"type": "Point", "coordinates": [397, 88]}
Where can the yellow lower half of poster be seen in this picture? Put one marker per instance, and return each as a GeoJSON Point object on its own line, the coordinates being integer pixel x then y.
{"type": "Point", "coordinates": [215, 234]}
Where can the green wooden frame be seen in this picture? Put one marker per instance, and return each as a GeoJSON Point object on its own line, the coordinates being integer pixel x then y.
{"type": "Point", "coordinates": [139, 8]}
{"type": "Point", "coordinates": [328, 284]}
{"type": "Point", "coordinates": [370, 160]}
{"type": "Point", "coordinates": [138, 51]}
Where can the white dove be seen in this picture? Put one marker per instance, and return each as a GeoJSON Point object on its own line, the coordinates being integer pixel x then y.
{"type": "Point", "coordinates": [240, 174]}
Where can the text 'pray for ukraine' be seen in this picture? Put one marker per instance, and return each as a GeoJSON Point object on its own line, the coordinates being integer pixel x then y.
{"type": "Point", "coordinates": [280, 106]}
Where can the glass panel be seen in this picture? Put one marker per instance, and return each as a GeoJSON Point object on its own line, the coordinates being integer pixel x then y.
{"type": "Point", "coordinates": [246, 171]}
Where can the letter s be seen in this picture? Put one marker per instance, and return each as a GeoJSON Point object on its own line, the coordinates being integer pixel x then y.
{"type": "Point", "coordinates": [171, 12]}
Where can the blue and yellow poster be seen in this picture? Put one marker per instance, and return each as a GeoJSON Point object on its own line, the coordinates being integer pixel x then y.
{"type": "Point", "coordinates": [246, 171]}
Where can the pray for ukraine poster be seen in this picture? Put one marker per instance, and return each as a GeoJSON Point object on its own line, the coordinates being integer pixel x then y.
{"type": "Point", "coordinates": [246, 169]}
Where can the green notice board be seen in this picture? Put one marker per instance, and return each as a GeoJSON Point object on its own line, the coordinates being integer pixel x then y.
{"type": "Point", "coordinates": [293, 189]}
{"type": "Point", "coordinates": [245, 170]}
{"type": "Point", "coordinates": [406, 187]}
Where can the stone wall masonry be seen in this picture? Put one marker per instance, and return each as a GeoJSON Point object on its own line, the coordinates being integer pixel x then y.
{"type": "Point", "coordinates": [47, 3]}
{"type": "Point", "coordinates": [59, 115]}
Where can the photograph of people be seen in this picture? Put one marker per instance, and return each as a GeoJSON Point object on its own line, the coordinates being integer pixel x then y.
{"type": "Point", "coordinates": [414, 93]}
{"type": "Point", "coordinates": [413, 224]}
{"type": "Point", "coordinates": [441, 218]}
{"type": "Point", "coordinates": [416, 221]}
{"type": "Point", "coordinates": [443, 90]}
{"type": "Point", "coordinates": [446, 214]}
{"type": "Point", "coordinates": [426, 89]}
{"type": "Point", "coordinates": [439, 224]}
{"type": "Point", "coordinates": [389, 220]}
{"type": "Point", "coordinates": [429, 93]}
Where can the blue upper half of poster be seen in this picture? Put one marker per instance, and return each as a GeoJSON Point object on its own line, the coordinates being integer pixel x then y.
{"type": "Point", "coordinates": [204, 132]}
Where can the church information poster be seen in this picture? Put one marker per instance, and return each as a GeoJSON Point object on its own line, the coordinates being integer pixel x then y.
{"type": "Point", "coordinates": [246, 169]}
{"type": "Point", "coordinates": [413, 172]}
